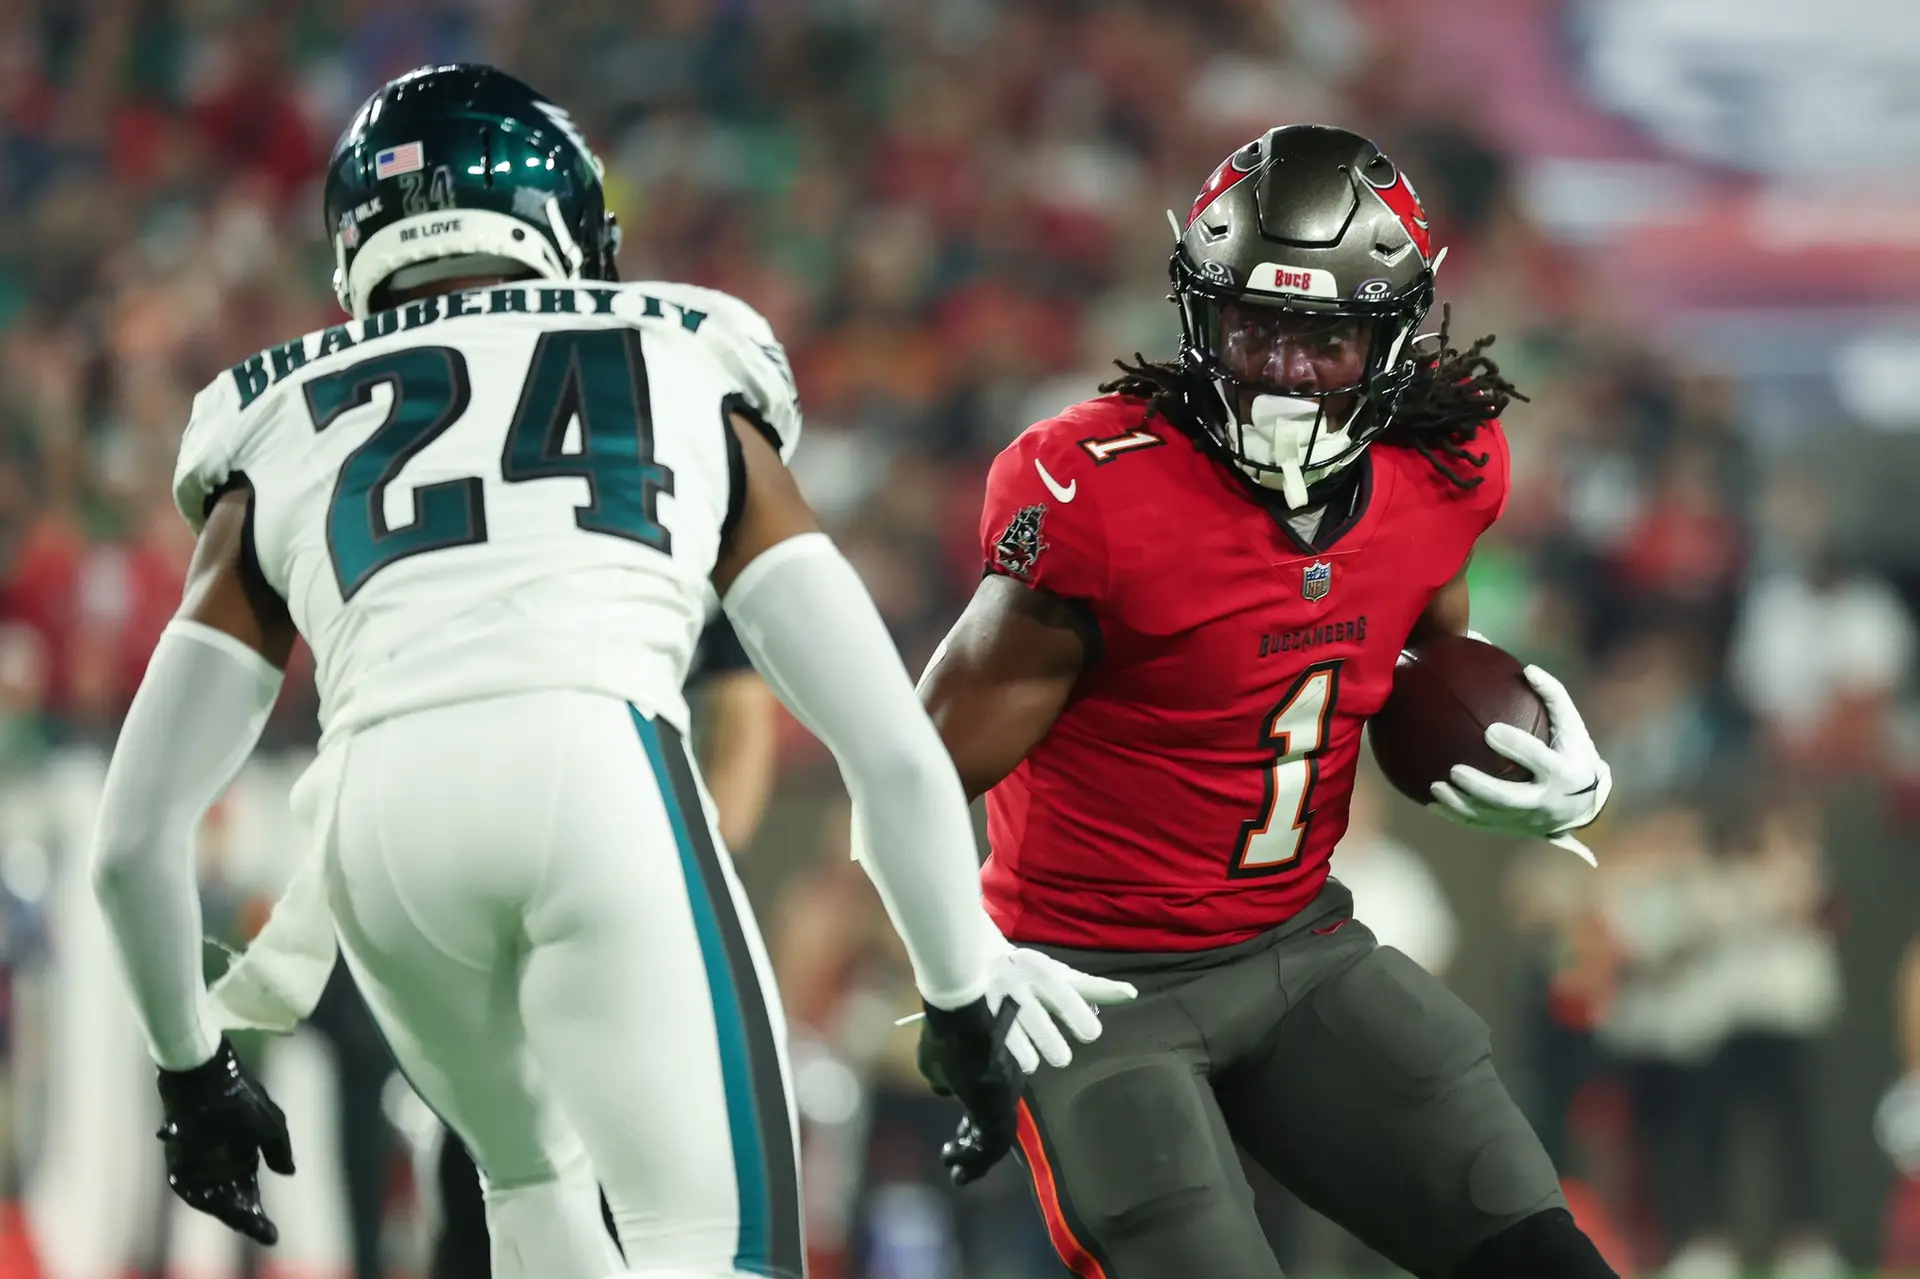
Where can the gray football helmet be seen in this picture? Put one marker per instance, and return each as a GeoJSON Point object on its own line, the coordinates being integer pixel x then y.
{"type": "Point", "coordinates": [1316, 221]}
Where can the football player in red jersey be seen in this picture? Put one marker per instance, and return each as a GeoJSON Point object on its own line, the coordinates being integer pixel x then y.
{"type": "Point", "coordinates": [1197, 587]}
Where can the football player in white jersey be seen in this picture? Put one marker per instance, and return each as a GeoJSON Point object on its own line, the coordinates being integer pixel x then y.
{"type": "Point", "coordinates": [491, 503]}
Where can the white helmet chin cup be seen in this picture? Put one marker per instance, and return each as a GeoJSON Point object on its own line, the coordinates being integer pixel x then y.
{"type": "Point", "coordinates": [469, 241]}
{"type": "Point", "coordinates": [1280, 434]}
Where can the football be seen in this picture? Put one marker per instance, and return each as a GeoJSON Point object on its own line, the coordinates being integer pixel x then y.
{"type": "Point", "coordinates": [1446, 690]}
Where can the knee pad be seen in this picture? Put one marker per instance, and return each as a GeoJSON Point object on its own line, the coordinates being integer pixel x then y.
{"type": "Point", "coordinates": [1135, 1144]}
{"type": "Point", "coordinates": [551, 1229]}
{"type": "Point", "coordinates": [1547, 1243]}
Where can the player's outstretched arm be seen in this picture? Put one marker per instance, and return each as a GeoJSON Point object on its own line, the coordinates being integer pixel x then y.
{"type": "Point", "coordinates": [806, 620]}
{"type": "Point", "coordinates": [1002, 676]}
{"type": "Point", "coordinates": [212, 680]}
{"type": "Point", "coordinates": [812, 630]}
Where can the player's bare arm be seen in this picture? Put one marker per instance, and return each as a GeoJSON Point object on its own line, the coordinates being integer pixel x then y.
{"type": "Point", "coordinates": [772, 509]}
{"type": "Point", "coordinates": [1003, 675]}
{"type": "Point", "coordinates": [1909, 1007]}
{"type": "Point", "coordinates": [1447, 613]}
{"type": "Point", "coordinates": [740, 734]}
{"type": "Point", "coordinates": [740, 745]}
{"type": "Point", "coordinates": [224, 589]}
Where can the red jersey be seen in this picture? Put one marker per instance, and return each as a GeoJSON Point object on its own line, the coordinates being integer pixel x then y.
{"type": "Point", "coordinates": [1193, 789]}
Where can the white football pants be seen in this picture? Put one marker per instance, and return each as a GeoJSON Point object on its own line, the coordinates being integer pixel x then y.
{"type": "Point", "coordinates": [530, 892]}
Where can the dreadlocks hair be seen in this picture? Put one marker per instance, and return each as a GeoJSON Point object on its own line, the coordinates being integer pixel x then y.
{"type": "Point", "coordinates": [1161, 383]}
{"type": "Point", "coordinates": [1451, 396]}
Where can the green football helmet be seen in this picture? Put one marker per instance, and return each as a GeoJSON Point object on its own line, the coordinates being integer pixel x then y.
{"type": "Point", "coordinates": [463, 170]}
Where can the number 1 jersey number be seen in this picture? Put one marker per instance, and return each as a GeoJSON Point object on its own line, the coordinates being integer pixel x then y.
{"type": "Point", "coordinates": [1296, 731]}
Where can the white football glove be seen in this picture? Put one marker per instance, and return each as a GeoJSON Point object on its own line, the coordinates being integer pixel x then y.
{"type": "Point", "coordinates": [1570, 781]}
{"type": "Point", "coordinates": [1047, 991]}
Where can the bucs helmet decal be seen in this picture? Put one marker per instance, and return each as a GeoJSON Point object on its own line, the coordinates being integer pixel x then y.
{"type": "Point", "coordinates": [1404, 201]}
{"type": "Point", "coordinates": [1232, 170]}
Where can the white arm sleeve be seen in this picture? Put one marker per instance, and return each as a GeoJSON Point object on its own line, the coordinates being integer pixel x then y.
{"type": "Point", "coordinates": [194, 721]}
{"type": "Point", "coordinates": [813, 632]}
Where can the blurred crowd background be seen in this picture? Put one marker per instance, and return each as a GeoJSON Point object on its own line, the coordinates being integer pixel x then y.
{"type": "Point", "coordinates": [1693, 225]}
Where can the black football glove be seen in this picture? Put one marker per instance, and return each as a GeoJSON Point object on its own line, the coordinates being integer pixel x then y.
{"type": "Point", "coordinates": [219, 1122]}
{"type": "Point", "coordinates": [963, 1053]}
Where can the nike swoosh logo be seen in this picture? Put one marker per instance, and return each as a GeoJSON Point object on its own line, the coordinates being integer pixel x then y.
{"type": "Point", "coordinates": [1064, 494]}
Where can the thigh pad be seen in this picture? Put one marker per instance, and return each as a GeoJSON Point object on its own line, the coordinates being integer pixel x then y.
{"type": "Point", "coordinates": [1404, 1029]}
{"type": "Point", "coordinates": [1136, 1142]}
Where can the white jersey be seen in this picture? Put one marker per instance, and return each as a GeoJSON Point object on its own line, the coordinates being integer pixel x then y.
{"type": "Point", "coordinates": [497, 490]}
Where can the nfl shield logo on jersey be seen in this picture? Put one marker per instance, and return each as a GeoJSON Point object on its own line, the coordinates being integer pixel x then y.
{"type": "Point", "coordinates": [1316, 580]}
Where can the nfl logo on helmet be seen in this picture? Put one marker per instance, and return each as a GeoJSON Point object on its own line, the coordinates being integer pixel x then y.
{"type": "Point", "coordinates": [1316, 580]}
